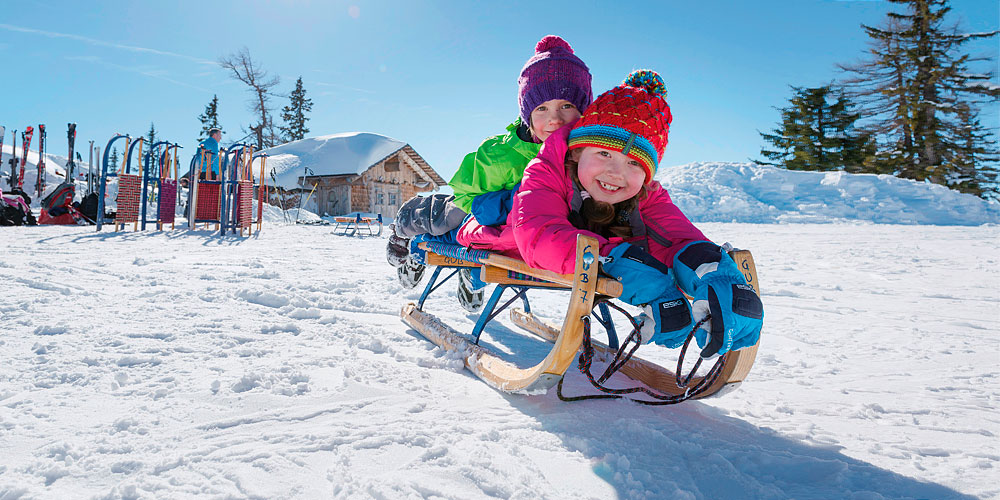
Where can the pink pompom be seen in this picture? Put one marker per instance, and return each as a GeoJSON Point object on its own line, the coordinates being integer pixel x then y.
{"type": "Point", "coordinates": [550, 42]}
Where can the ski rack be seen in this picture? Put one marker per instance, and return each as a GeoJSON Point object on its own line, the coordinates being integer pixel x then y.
{"type": "Point", "coordinates": [165, 188]}
{"type": "Point", "coordinates": [353, 225]}
{"type": "Point", "coordinates": [514, 274]}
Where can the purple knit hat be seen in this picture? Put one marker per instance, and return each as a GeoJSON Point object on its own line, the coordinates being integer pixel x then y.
{"type": "Point", "coordinates": [553, 73]}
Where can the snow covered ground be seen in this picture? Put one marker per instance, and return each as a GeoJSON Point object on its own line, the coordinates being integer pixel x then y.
{"type": "Point", "coordinates": [181, 365]}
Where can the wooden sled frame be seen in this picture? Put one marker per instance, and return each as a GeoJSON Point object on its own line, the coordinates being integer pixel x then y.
{"type": "Point", "coordinates": [354, 225]}
{"type": "Point", "coordinates": [567, 340]}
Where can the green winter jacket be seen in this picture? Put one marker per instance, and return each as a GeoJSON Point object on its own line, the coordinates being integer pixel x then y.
{"type": "Point", "coordinates": [498, 164]}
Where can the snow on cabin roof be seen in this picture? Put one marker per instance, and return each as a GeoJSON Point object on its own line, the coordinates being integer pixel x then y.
{"type": "Point", "coordinates": [348, 153]}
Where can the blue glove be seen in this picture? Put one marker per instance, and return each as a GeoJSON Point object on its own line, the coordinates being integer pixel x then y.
{"type": "Point", "coordinates": [491, 209]}
{"type": "Point", "coordinates": [649, 283]}
{"type": "Point", "coordinates": [710, 276]}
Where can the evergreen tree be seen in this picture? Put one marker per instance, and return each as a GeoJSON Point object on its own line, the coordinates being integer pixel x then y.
{"type": "Point", "coordinates": [879, 89]}
{"type": "Point", "coordinates": [976, 157]}
{"type": "Point", "coordinates": [210, 118]}
{"type": "Point", "coordinates": [916, 89]}
{"type": "Point", "coordinates": [151, 136]}
{"type": "Point", "coordinates": [817, 134]}
{"type": "Point", "coordinates": [114, 160]}
{"type": "Point", "coordinates": [294, 114]}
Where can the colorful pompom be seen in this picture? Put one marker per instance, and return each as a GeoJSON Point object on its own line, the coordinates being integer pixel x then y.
{"type": "Point", "coordinates": [647, 80]}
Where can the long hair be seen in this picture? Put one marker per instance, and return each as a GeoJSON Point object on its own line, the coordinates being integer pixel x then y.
{"type": "Point", "coordinates": [600, 217]}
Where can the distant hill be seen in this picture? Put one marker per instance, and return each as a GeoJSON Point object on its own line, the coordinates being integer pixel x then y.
{"type": "Point", "coordinates": [747, 192]}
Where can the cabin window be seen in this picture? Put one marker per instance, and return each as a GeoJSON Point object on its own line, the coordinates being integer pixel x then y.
{"type": "Point", "coordinates": [392, 165]}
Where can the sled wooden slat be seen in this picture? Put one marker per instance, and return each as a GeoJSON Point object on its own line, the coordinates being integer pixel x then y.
{"type": "Point", "coordinates": [503, 375]}
{"type": "Point", "coordinates": [661, 379]}
{"type": "Point", "coordinates": [434, 259]}
{"type": "Point", "coordinates": [491, 274]}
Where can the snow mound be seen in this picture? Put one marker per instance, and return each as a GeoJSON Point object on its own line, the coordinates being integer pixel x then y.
{"type": "Point", "coordinates": [335, 154]}
{"type": "Point", "coordinates": [751, 193]}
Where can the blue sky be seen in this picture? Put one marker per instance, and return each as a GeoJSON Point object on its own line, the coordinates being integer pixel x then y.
{"type": "Point", "coordinates": [441, 76]}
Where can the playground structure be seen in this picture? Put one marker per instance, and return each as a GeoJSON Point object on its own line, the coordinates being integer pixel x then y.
{"type": "Point", "coordinates": [355, 225]}
{"type": "Point", "coordinates": [226, 199]}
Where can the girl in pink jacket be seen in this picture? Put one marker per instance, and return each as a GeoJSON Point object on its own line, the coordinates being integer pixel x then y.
{"type": "Point", "coordinates": [594, 177]}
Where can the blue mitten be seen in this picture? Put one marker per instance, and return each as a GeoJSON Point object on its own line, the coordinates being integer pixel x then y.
{"type": "Point", "coordinates": [643, 277]}
{"type": "Point", "coordinates": [709, 275]}
{"type": "Point", "coordinates": [667, 319]}
{"type": "Point", "coordinates": [649, 283]}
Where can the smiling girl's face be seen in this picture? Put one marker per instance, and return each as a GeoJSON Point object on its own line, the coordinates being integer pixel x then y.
{"type": "Point", "coordinates": [609, 176]}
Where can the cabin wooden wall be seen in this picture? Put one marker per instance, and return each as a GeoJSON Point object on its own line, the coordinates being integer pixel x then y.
{"type": "Point", "coordinates": [381, 189]}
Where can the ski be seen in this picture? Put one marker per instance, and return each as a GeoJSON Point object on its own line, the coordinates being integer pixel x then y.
{"type": "Point", "coordinates": [25, 143]}
{"type": "Point", "coordinates": [40, 181]}
{"type": "Point", "coordinates": [3, 132]}
{"type": "Point", "coordinates": [12, 161]}
{"type": "Point", "coordinates": [71, 164]}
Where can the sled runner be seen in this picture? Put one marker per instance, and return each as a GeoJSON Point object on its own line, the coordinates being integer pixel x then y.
{"type": "Point", "coordinates": [357, 224]}
{"type": "Point", "coordinates": [589, 294]}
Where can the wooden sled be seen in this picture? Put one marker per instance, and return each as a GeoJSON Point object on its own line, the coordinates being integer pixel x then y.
{"type": "Point", "coordinates": [355, 225]}
{"type": "Point", "coordinates": [584, 285]}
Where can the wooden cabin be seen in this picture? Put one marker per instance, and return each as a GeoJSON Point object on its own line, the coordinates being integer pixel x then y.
{"type": "Point", "coordinates": [352, 172]}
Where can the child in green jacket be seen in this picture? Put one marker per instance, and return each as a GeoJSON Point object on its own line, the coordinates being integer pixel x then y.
{"type": "Point", "coordinates": [554, 88]}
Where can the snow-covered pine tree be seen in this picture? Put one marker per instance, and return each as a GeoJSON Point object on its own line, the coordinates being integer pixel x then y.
{"type": "Point", "coordinates": [913, 90]}
{"type": "Point", "coordinates": [294, 114]}
{"type": "Point", "coordinates": [817, 133]}
{"type": "Point", "coordinates": [210, 118]}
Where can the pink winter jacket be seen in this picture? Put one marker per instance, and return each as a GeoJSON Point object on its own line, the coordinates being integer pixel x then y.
{"type": "Point", "coordinates": [539, 228]}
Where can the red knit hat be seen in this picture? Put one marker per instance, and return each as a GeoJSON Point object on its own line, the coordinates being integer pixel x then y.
{"type": "Point", "coordinates": [633, 118]}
